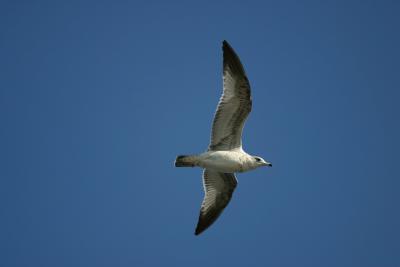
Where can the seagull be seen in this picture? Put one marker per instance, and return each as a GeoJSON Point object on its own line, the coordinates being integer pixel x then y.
{"type": "Point", "coordinates": [225, 155]}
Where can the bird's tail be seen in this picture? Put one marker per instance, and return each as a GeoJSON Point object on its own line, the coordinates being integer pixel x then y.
{"type": "Point", "coordinates": [185, 161]}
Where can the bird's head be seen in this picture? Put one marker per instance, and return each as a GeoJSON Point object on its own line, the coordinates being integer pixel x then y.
{"type": "Point", "coordinates": [261, 162]}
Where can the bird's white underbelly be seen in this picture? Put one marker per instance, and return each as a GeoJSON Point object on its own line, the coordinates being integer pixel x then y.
{"type": "Point", "coordinates": [222, 161]}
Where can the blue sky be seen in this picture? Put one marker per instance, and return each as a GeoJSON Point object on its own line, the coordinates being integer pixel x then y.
{"type": "Point", "coordinates": [97, 98]}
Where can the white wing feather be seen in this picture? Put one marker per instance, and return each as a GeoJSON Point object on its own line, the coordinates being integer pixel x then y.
{"type": "Point", "coordinates": [218, 190]}
{"type": "Point", "coordinates": [234, 105]}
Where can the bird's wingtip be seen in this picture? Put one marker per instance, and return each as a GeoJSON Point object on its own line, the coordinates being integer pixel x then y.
{"type": "Point", "coordinates": [198, 231]}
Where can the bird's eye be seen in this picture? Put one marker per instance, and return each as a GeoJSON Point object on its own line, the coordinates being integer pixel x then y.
{"type": "Point", "coordinates": [258, 159]}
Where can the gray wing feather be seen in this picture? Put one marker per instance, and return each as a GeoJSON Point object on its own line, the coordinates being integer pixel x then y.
{"type": "Point", "coordinates": [218, 189]}
{"type": "Point", "coordinates": [234, 105]}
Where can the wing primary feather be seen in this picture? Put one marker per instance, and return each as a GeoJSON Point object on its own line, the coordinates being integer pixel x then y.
{"type": "Point", "coordinates": [234, 106]}
{"type": "Point", "coordinates": [218, 190]}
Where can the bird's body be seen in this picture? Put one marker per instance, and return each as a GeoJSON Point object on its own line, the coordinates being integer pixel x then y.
{"type": "Point", "coordinates": [225, 155]}
{"type": "Point", "coordinates": [224, 161]}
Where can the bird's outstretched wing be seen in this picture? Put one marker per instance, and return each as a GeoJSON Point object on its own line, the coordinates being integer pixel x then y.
{"type": "Point", "coordinates": [218, 189]}
{"type": "Point", "coordinates": [234, 105]}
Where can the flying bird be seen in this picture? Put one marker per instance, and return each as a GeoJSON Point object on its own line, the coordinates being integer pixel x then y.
{"type": "Point", "coordinates": [225, 154]}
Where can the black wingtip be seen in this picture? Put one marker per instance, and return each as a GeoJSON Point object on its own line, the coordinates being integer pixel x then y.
{"type": "Point", "coordinates": [225, 44]}
{"type": "Point", "coordinates": [198, 231]}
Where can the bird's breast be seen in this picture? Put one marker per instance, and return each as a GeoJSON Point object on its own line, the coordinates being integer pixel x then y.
{"type": "Point", "coordinates": [222, 161]}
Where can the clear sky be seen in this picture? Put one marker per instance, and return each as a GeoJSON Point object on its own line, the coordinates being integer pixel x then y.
{"type": "Point", "coordinates": [97, 98]}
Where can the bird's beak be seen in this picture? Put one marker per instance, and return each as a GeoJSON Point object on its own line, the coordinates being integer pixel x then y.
{"type": "Point", "coordinates": [268, 164]}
